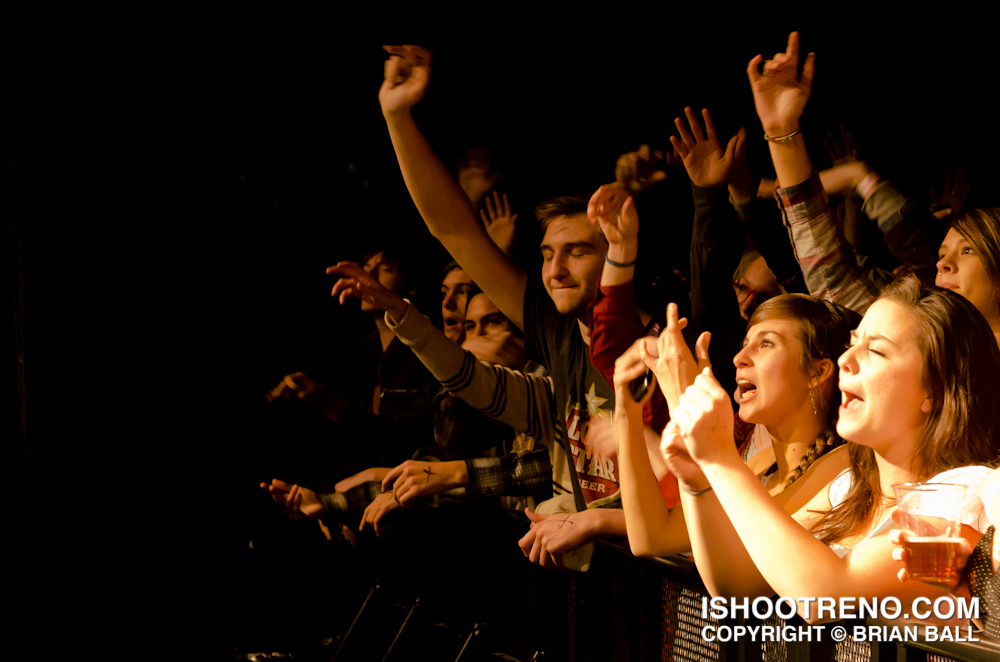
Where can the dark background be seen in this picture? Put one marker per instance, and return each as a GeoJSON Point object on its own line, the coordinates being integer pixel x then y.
{"type": "Point", "coordinates": [174, 192]}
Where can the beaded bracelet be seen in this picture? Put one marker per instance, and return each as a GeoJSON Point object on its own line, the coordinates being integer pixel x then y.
{"type": "Point", "coordinates": [782, 139]}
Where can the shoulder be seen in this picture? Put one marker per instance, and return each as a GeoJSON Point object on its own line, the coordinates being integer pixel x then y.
{"type": "Point", "coordinates": [840, 486]}
{"type": "Point", "coordinates": [811, 491]}
{"type": "Point", "coordinates": [970, 475]}
{"type": "Point", "coordinates": [973, 512]}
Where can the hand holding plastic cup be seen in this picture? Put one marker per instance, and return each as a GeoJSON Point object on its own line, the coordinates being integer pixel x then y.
{"type": "Point", "coordinates": [931, 519]}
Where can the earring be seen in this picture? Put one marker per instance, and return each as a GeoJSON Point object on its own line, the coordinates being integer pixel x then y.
{"type": "Point", "coordinates": [812, 399]}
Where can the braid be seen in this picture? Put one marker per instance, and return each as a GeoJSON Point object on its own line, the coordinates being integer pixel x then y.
{"type": "Point", "coordinates": [825, 442]}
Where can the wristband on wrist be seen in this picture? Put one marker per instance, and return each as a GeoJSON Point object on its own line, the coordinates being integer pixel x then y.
{"type": "Point", "coordinates": [620, 265]}
{"type": "Point", "coordinates": [782, 139]}
{"type": "Point", "coordinates": [698, 493]}
{"type": "Point", "coordinates": [868, 184]}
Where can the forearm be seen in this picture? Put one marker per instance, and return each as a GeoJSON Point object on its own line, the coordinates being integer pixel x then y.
{"type": "Point", "coordinates": [509, 396]}
{"type": "Point", "coordinates": [454, 475]}
{"type": "Point", "coordinates": [623, 253]}
{"type": "Point", "coordinates": [722, 560]}
{"type": "Point", "coordinates": [653, 529]}
{"type": "Point", "coordinates": [761, 222]}
{"type": "Point", "coordinates": [716, 245]}
{"type": "Point", "coordinates": [363, 476]}
{"type": "Point", "coordinates": [791, 158]}
{"type": "Point", "coordinates": [451, 218]}
{"type": "Point", "coordinates": [911, 232]}
{"type": "Point", "coordinates": [441, 202]}
{"type": "Point", "coordinates": [608, 523]}
{"type": "Point", "coordinates": [615, 325]}
{"type": "Point", "coordinates": [805, 566]}
{"type": "Point", "coordinates": [831, 268]}
{"type": "Point", "coordinates": [528, 474]}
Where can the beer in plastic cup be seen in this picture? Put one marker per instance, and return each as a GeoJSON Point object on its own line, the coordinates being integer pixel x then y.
{"type": "Point", "coordinates": [932, 522]}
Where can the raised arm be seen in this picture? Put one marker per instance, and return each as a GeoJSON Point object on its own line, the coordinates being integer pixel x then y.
{"type": "Point", "coordinates": [780, 96]}
{"type": "Point", "coordinates": [614, 316]}
{"type": "Point", "coordinates": [653, 528]}
{"type": "Point", "coordinates": [441, 202]}
{"type": "Point", "coordinates": [791, 561]}
{"type": "Point", "coordinates": [829, 266]}
{"type": "Point", "coordinates": [716, 238]}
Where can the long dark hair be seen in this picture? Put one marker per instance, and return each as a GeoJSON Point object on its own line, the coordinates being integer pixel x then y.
{"type": "Point", "coordinates": [960, 365]}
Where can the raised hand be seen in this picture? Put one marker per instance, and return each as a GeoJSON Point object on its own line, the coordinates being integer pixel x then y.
{"type": "Point", "coordinates": [707, 164]}
{"type": "Point", "coordinates": [356, 282]}
{"type": "Point", "coordinates": [953, 195]}
{"type": "Point", "coordinates": [612, 207]}
{"type": "Point", "coordinates": [474, 174]}
{"type": "Point", "coordinates": [500, 223]}
{"type": "Point", "coordinates": [704, 417]}
{"type": "Point", "coordinates": [843, 150]}
{"type": "Point", "coordinates": [673, 364]}
{"type": "Point", "coordinates": [504, 348]}
{"type": "Point", "coordinates": [779, 94]}
{"type": "Point", "coordinates": [407, 74]}
{"type": "Point", "coordinates": [629, 367]}
{"type": "Point", "coordinates": [299, 503]}
{"type": "Point", "coordinates": [636, 171]}
{"type": "Point", "coordinates": [679, 461]}
{"type": "Point", "coordinates": [843, 179]}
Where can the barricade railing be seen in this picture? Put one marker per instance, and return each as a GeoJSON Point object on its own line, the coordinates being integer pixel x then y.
{"type": "Point", "coordinates": [626, 608]}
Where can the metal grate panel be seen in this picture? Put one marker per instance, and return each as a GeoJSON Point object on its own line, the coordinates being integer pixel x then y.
{"type": "Point", "coordinates": [680, 637]}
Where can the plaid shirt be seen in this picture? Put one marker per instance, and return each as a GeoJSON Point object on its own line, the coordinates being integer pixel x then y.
{"type": "Point", "coordinates": [830, 266]}
{"type": "Point", "coordinates": [537, 465]}
{"type": "Point", "coordinates": [517, 475]}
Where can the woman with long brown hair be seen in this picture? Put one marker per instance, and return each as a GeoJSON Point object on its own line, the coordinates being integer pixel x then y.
{"type": "Point", "coordinates": [788, 401]}
{"type": "Point", "coordinates": [917, 404]}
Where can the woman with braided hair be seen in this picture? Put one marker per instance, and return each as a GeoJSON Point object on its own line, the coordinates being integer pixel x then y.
{"type": "Point", "coordinates": [785, 427]}
{"type": "Point", "coordinates": [917, 405]}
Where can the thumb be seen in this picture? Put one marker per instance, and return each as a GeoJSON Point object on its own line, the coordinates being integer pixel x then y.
{"type": "Point", "coordinates": [701, 350]}
{"type": "Point", "coordinates": [533, 516]}
{"type": "Point", "coordinates": [731, 149]}
{"type": "Point", "coordinates": [390, 478]}
{"type": "Point", "coordinates": [391, 66]}
{"type": "Point", "coordinates": [741, 140]}
{"type": "Point", "coordinates": [808, 72]}
{"type": "Point", "coordinates": [647, 357]}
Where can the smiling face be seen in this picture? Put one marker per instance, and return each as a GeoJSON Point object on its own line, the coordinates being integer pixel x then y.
{"type": "Point", "coordinates": [961, 270]}
{"type": "Point", "coordinates": [883, 402]}
{"type": "Point", "coordinates": [483, 318]}
{"type": "Point", "coordinates": [454, 299]}
{"type": "Point", "coordinates": [573, 252]}
{"type": "Point", "coordinates": [770, 385]}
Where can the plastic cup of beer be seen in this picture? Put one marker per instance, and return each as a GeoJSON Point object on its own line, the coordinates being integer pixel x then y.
{"type": "Point", "coordinates": [932, 522]}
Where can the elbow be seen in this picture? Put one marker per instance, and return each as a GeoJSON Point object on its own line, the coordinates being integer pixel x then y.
{"type": "Point", "coordinates": [640, 549]}
{"type": "Point", "coordinates": [653, 548]}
